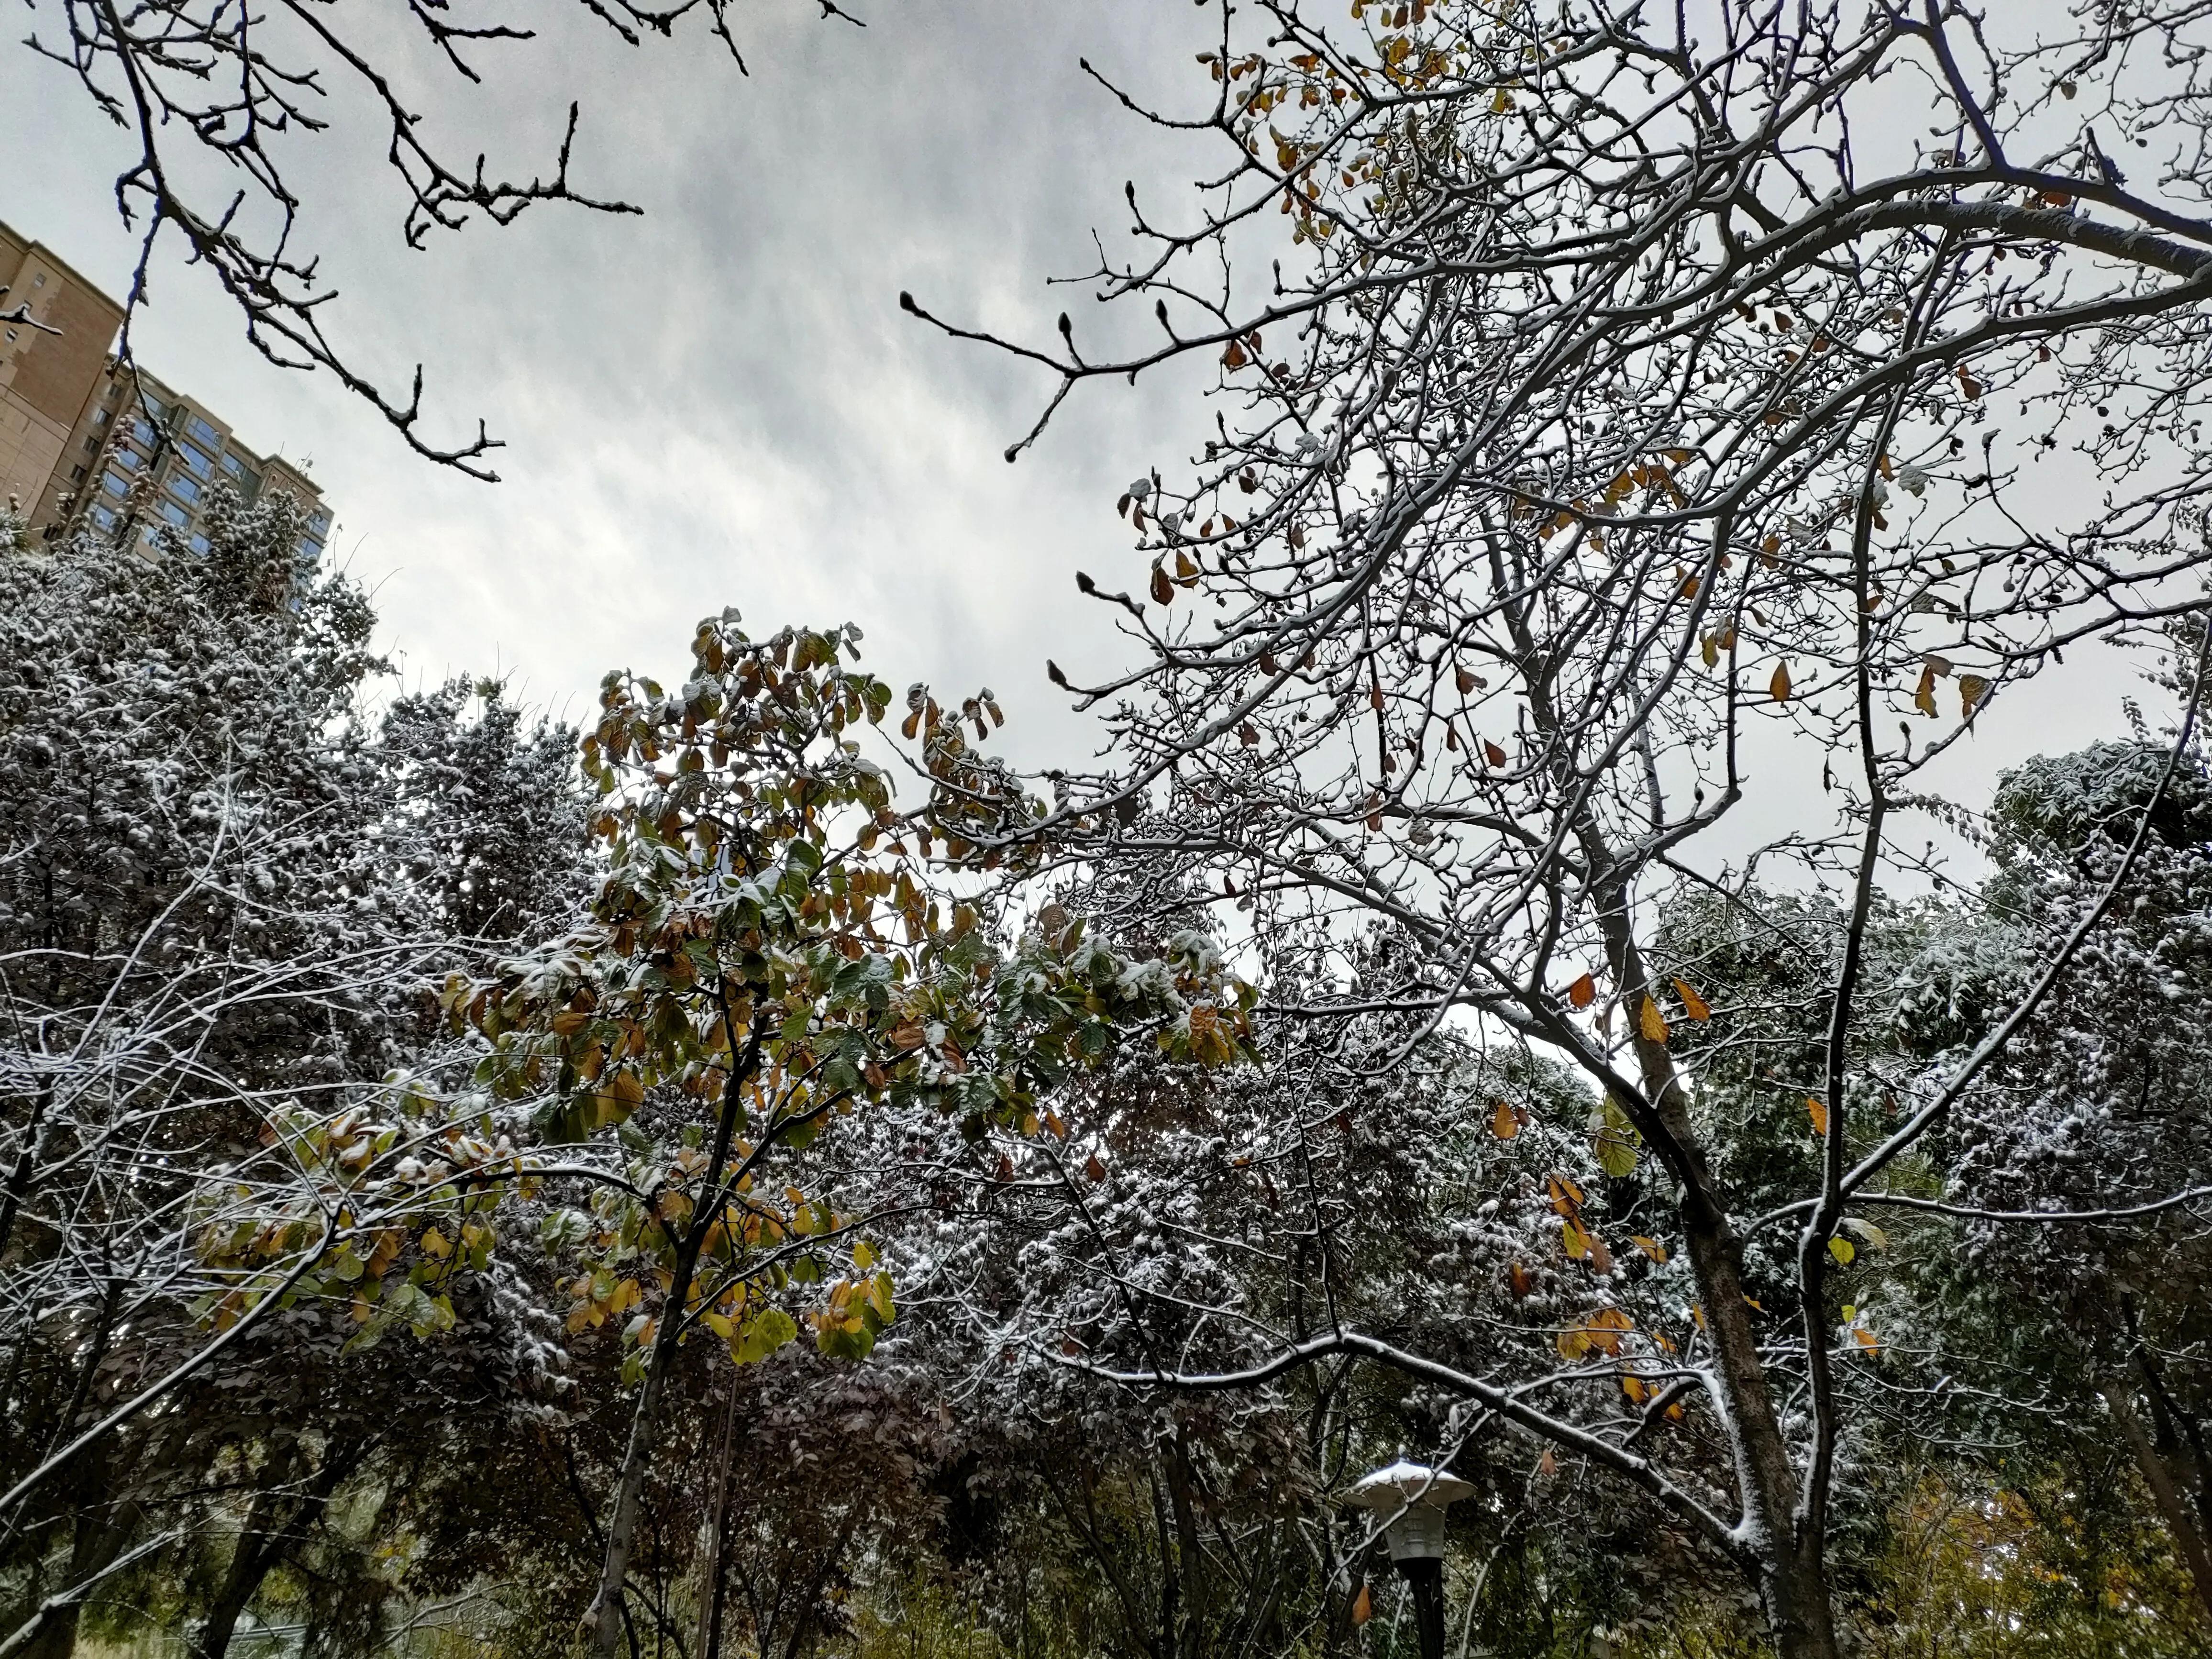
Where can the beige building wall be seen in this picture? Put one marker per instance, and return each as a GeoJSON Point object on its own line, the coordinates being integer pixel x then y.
{"type": "Point", "coordinates": [86, 442]}
{"type": "Point", "coordinates": [47, 380]}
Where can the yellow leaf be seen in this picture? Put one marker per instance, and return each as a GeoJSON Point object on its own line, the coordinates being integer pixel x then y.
{"type": "Point", "coordinates": [1572, 1343]}
{"type": "Point", "coordinates": [1866, 1339]}
{"type": "Point", "coordinates": [1577, 1240]}
{"type": "Point", "coordinates": [1503, 1123]}
{"type": "Point", "coordinates": [434, 1244]}
{"type": "Point", "coordinates": [1692, 1004]}
{"type": "Point", "coordinates": [1842, 1250]}
{"type": "Point", "coordinates": [1582, 991]}
{"type": "Point", "coordinates": [1608, 1325]}
{"type": "Point", "coordinates": [1972, 688]}
{"type": "Point", "coordinates": [1362, 1606]}
{"type": "Point", "coordinates": [720, 1325]}
{"type": "Point", "coordinates": [864, 1256]}
{"type": "Point", "coordinates": [1924, 695]}
{"type": "Point", "coordinates": [1820, 1115]}
{"type": "Point", "coordinates": [1547, 1464]}
{"type": "Point", "coordinates": [1779, 685]}
{"type": "Point", "coordinates": [1651, 1247]}
{"type": "Point", "coordinates": [1650, 1022]}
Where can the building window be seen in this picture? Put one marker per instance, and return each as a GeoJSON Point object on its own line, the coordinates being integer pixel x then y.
{"type": "Point", "coordinates": [76, 474]}
{"type": "Point", "coordinates": [175, 515]}
{"type": "Point", "coordinates": [155, 407]}
{"type": "Point", "coordinates": [144, 433]}
{"type": "Point", "coordinates": [129, 459]}
{"type": "Point", "coordinates": [200, 545]}
{"type": "Point", "coordinates": [115, 485]}
{"type": "Point", "coordinates": [248, 480]}
{"type": "Point", "coordinates": [103, 517]}
{"type": "Point", "coordinates": [318, 523]}
{"type": "Point", "coordinates": [206, 433]}
{"type": "Point", "coordinates": [100, 417]}
{"type": "Point", "coordinates": [39, 281]}
{"type": "Point", "coordinates": [193, 459]}
{"type": "Point", "coordinates": [92, 443]}
{"type": "Point", "coordinates": [310, 548]}
{"type": "Point", "coordinates": [186, 487]}
{"type": "Point", "coordinates": [11, 337]}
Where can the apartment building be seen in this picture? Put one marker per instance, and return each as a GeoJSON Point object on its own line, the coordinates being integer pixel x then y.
{"type": "Point", "coordinates": [86, 442]}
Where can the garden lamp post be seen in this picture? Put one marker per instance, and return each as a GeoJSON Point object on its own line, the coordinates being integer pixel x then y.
{"type": "Point", "coordinates": [1411, 1499]}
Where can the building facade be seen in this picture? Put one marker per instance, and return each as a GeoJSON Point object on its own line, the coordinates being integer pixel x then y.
{"type": "Point", "coordinates": [89, 442]}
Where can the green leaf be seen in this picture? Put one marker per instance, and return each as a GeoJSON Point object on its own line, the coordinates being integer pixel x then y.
{"type": "Point", "coordinates": [1614, 1138]}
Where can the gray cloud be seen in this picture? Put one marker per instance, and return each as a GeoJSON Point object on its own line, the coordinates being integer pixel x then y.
{"type": "Point", "coordinates": [719, 403]}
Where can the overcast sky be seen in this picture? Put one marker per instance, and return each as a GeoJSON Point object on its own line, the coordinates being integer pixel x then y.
{"type": "Point", "coordinates": [720, 403]}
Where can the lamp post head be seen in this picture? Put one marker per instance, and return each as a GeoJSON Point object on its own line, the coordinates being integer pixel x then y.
{"type": "Point", "coordinates": [1412, 1498]}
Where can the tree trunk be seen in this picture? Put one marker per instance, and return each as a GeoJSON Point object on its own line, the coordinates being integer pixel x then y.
{"type": "Point", "coordinates": [602, 1619]}
{"type": "Point", "coordinates": [1792, 1577]}
{"type": "Point", "coordinates": [249, 1561]}
{"type": "Point", "coordinates": [2172, 1510]}
{"type": "Point", "coordinates": [270, 1522]}
{"type": "Point", "coordinates": [1790, 1571]}
{"type": "Point", "coordinates": [1187, 1549]}
{"type": "Point", "coordinates": [709, 1641]}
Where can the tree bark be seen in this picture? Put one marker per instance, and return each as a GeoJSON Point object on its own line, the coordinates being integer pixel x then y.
{"type": "Point", "coordinates": [602, 1619]}
{"type": "Point", "coordinates": [710, 1640]}
{"type": "Point", "coordinates": [1188, 1549]}
{"type": "Point", "coordinates": [1792, 1578]}
{"type": "Point", "coordinates": [269, 1523]}
{"type": "Point", "coordinates": [2187, 1538]}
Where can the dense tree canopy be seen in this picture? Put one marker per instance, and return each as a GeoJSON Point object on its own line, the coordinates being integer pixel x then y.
{"type": "Point", "coordinates": [1526, 989]}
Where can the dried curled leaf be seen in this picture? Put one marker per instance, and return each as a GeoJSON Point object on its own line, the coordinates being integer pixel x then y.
{"type": "Point", "coordinates": [1693, 1004]}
